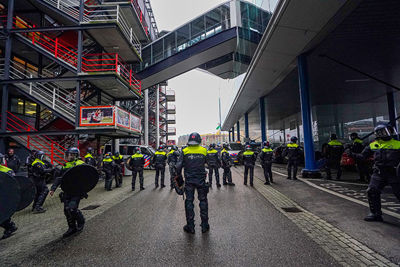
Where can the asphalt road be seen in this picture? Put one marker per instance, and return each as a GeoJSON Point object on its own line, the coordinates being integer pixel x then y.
{"type": "Point", "coordinates": [146, 230]}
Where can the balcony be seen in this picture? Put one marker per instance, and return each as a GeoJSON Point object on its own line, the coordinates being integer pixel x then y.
{"type": "Point", "coordinates": [171, 109]}
{"type": "Point", "coordinates": [171, 131]}
{"type": "Point", "coordinates": [170, 95]}
{"type": "Point", "coordinates": [171, 119]}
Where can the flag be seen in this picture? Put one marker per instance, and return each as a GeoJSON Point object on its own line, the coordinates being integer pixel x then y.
{"type": "Point", "coordinates": [218, 127]}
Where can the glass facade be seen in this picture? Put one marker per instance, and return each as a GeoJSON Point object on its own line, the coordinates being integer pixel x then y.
{"type": "Point", "coordinates": [23, 107]}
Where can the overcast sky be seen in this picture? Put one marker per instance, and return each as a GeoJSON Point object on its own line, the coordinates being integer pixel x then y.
{"type": "Point", "coordinates": [196, 92]}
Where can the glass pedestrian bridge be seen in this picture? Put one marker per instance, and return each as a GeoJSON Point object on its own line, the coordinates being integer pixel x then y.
{"type": "Point", "coordinates": [222, 41]}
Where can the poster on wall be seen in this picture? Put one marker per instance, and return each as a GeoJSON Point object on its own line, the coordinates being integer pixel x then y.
{"type": "Point", "coordinates": [135, 123]}
{"type": "Point", "coordinates": [97, 116]}
{"type": "Point", "coordinates": [122, 118]}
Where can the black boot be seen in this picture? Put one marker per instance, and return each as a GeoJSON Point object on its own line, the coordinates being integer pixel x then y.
{"type": "Point", "coordinates": [188, 229]}
{"type": "Point", "coordinates": [205, 228]}
{"type": "Point", "coordinates": [11, 228]}
{"type": "Point", "coordinates": [372, 217]}
{"type": "Point", "coordinates": [267, 183]}
{"type": "Point", "coordinates": [80, 221]}
{"type": "Point", "coordinates": [38, 210]}
{"type": "Point", "coordinates": [374, 200]}
{"type": "Point", "coordinates": [141, 188]}
{"type": "Point", "coordinates": [71, 226]}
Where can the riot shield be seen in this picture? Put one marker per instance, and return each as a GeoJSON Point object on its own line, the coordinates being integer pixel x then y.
{"type": "Point", "coordinates": [27, 191]}
{"type": "Point", "coordinates": [9, 196]}
{"type": "Point", "coordinates": [79, 180]}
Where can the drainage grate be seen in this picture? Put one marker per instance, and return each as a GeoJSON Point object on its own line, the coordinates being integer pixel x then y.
{"type": "Point", "coordinates": [91, 207]}
{"type": "Point", "coordinates": [292, 209]}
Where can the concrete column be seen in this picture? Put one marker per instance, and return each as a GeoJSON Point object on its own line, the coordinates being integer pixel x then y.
{"type": "Point", "coordinates": [229, 136]}
{"type": "Point", "coordinates": [146, 117]}
{"type": "Point", "coordinates": [233, 133]}
{"type": "Point", "coordinates": [310, 169]}
{"type": "Point", "coordinates": [158, 115]}
{"type": "Point", "coordinates": [246, 126]}
{"type": "Point", "coordinates": [238, 130]}
{"type": "Point", "coordinates": [262, 120]}
{"type": "Point", "coordinates": [391, 108]}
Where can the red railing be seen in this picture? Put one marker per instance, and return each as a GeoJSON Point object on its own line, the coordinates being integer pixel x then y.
{"type": "Point", "coordinates": [43, 142]}
{"type": "Point", "coordinates": [139, 12]}
{"type": "Point", "coordinates": [102, 62]}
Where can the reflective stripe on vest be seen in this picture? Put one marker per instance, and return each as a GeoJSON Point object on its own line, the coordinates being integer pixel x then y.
{"type": "Point", "coordinates": [267, 150]}
{"type": "Point", "coordinates": [195, 150]}
{"type": "Point", "coordinates": [292, 145]}
{"type": "Point", "coordinates": [212, 151]}
{"type": "Point", "coordinates": [381, 144]}
{"type": "Point", "coordinates": [160, 153]}
{"type": "Point", "coordinates": [137, 156]}
{"type": "Point", "coordinates": [247, 152]}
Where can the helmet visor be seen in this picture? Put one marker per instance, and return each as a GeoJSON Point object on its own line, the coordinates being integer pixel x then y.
{"type": "Point", "coordinates": [385, 132]}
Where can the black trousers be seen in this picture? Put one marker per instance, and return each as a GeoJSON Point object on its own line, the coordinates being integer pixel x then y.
{"type": "Point", "coordinates": [172, 174]}
{"type": "Point", "coordinates": [247, 169]}
{"type": "Point", "coordinates": [376, 185]}
{"type": "Point", "coordinates": [202, 191]}
{"type": "Point", "coordinates": [363, 172]}
{"type": "Point", "coordinates": [213, 169]}
{"type": "Point", "coordinates": [335, 165]}
{"type": "Point", "coordinates": [135, 172]}
{"type": "Point", "coordinates": [71, 210]}
{"type": "Point", "coordinates": [160, 171]}
{"type": "Point", "coordinates": [292, 168]}
{"type": "Point", "coordinates": [7, 224]}
{"type": "Point", "coordinates": [118, 175]}
{"type": "Point", "coordinates": [41, 192]}
{"type": "Point", "coordinates": [108, 180]}
{"type": "Point", "coordinates": [227, 175]}
{"type": "Point", "coordinates": [267, 167]}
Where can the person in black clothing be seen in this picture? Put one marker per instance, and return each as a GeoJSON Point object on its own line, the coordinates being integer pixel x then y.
{"type": "Point", "coordinates": [213, 163]}
{"type": "Point", "coordinates": [136, 163]}
{"type": "Point", "coordinates": [357, 147]}
{"type": "Point", "coordinates": [159, 161]}
{"type": "Point", "coordinates": [334, 151]}
{"type": "Point", "coordinates": [193, 161]}
{"type": "Point", "coordinates": [39, 170]}
{"type": "Point", "coordinates": [118, 164]}
{"type": "Point", "coordinates": [226, 165]}
{"type": "Point", "coordinates": [28, 163]}
{"type": "Point", "coordinates": [266, 162]}
{"type": "Point", "coordinates": [293, 152]}
{"type": "Point", "coordinates": [89, 159]}
{"type": "Point", "coordinates": [108, 168]}
{"type": "Point", "coordinates": [249, 160]}
{"type": "Point", "coordinates": [12, 160]}
{"type": "Point", "coordinates": [173, 156]}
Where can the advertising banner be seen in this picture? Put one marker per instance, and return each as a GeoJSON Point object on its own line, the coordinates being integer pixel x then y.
{"type": "Point", "coordinates": [122, 118]}
{"type": "Point", "coordinates": [97, 116]}
{"type": "Point", "coordinates": [135, 123]}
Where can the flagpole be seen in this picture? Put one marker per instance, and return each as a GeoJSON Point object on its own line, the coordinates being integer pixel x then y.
{"type": "Point", "coordinates": [219, 107]}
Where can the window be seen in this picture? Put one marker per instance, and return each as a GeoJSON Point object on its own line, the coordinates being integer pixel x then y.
{"type": "Point", "coordinates": [17, 105]}
{"type": "Point", "coordinates": [30, 108]}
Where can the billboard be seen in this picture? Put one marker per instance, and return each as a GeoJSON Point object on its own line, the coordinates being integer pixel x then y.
{"type": "Point", "coordinates": [97, 116]}
{"type": "Point", "coordinates": [122, 118]}
{"type": "Point", "coordinates": [136, 123]}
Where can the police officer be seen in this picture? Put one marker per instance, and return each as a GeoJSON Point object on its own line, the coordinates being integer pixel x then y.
{"type": "Point", "coordinates": [12, 160]}
{"type": "Point", "coordinates": [136, 163]}
{"type": "Point", "coordinates": [118, 163]}
{"type": "Point", "coordinates": [249, 160]}
{"type": "Point", "coordinates": [8, 225]}
{"type": "Point", "coordinates": [386, 152]}
{"type": "Point", "coordinates": [74, 216]}
{"type": "Point", "coordinates": [108, 168]}
{"type": "Point", "coordinates": [172, 156]}
{"type": "Point", "coordinates": [357, 147]}
{"type": "Point", "coordinates": [39, 170]}
{"type": "Point", "coordinates": [89, 159]}
{"type": "Point", "coordinates": [293, 152]}
{"type": "Point", "coordinates": [226, 165]}
{"type": "Point", "coordinates": [28, 163]}
{"type": "Point", "coordinates": [334, 152]}
{"type": "Point", "coordinates": [266, 161]}
{"type": "Point", "coordinates": [193, 161]}
{"type": "Point", "coordinates": [159, 161]}
{"type": "Point", "coordinates": [213, 163]}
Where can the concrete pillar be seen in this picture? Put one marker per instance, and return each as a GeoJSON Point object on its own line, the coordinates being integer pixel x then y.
{"type": "Point", "coordinates": [246, 126]}
{"type": "Point", "coordinates": [262, 120]}
{"type": "Point", "coordinates": [238, 130]}
{"type": "Point", "coordinates": [310, 169]}
{"type": "Point", "coordinates": [146, 117]}
{"type": "Point", "coordinates": [391, 108]}
{"type": "Point", "coordinates": [233, 133]}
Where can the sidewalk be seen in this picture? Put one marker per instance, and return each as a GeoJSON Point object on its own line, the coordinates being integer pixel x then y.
{"type": "Point", "coordinates": [338, 210]}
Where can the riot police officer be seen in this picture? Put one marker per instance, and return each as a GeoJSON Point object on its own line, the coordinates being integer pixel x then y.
{"type": "Point", "coordinates": [249, 160]}
{"type": "Point", "coordinates": [74, 216]}
{"type": "Point", "coordinates": [89, 159]}
{"type": "Point", "coordinates": [226, 165]}
{"type": "Point", "coordinates": [12, 160]}
{"type": "Point", "coordinates": [266, 162]}
{"type": "Point", "coordinates": [39, 170]}
{"type": "Point", "coordinates": [159, 160]}
{"type": "Point", "coordinates": [333, 153]}
{"type": "Point", "coordinates": [193, 161]}
{"type": "Point", "coordinates": [28, 163]}
{"type": "Point", "coordinates": [172, 157]}
{"type": "Point", "coordinates": [386, 152]}
{"type": "Point", "coordinates": [8, 225]}
{"type": "Point", "coordinates": [357, 147]}
{"type": "Point", "coordinates": [213, 163]}
{"type": "Point", "coordinates": [108, 168]}
{"type": "Point", "coordinates": [293, 152]}
{"type": "Point", "coordinates": [136, 163]}
{"type": "Point", "coordinates": [118, 163]}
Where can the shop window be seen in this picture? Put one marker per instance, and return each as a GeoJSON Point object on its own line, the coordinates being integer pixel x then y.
{"type": "Point", "coordinates": [17, 105]}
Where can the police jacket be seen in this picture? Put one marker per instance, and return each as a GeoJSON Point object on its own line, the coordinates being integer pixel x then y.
{"type": "Point", "coordinates": [136, 162]}
{"type": "Point", "coordinates": [159, 159]}
{"type": "Point", "coordinates": [68, 165]}
{"type": "Point", "coordinates": [334, 150]}
{"type": "Point", "coordinates": [193, 161]}
{"type": "Point", "coordinates": [28, 164]}
{"type": "Point", "coordinates": [172, 157]}
{"type": "Point", "coordinates": [89, 159]}
{"type": "Point", "coordinates": [386, 155]}
{"type": "Point", "coordinates": [213, 159]}
{"type": "Point", "coordinates": [266, 155]}
{"type": "Point", "coordinates": [108, 165]}
{"type": "Point", "coordinates": [39, 169]}
{"type": "Point", "coordinates": [118, 159]}
{"type": "Point", "coordinates": [249, 158]}
{"type": "Point", "coordinates": [226, 159]}
{"type": "Point", "coordinates": [357, 146]}
{"type": "Point", "coordinates": [292, 151]}
{"type": "Point", "coordinates": [7, 170]}
{"type": "Point", "coordinates": [13, 162]}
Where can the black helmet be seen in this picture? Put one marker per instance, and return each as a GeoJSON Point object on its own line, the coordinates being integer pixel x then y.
{"type": "Point", "coordinates": [384, 131]}
{"type": "Point", "coordinates": [194, 139]}
{"type": "Point", "coordinates": [161, 147]}
{"type": "Point", "coordinates": [40, 155]}
{"type": "Point", "coordinates": [294, 139]}
{"type": "Point", "coordinates": [137, 150]}
{"type": "Point", "coordinates": [225, 145]}
{"type": "Point", "coordinates": [71, 154]}
{"type": "Point", "coordinates": [333, 137]}
{"type": "Point", "coordinates": [174, 147]}
{"type": "Point", "coordinates": [116, 153]}
{"type": "Point", "coordinates": [353, 136]}
{"type": "Point", "coordinates": [212, 145]}
{"type": "Point", "coordinates": [266, 144]}
{"type": "Point", "coordinates": [90, 150]}
{"type": "Point", "coordinates": [2, 159]}
{"type": "Point", "coordinates": [248, 147]}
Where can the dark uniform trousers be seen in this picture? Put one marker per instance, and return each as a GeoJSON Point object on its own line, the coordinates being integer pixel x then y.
{"type": "Point", "coordinates": [362, 168]}
{"type": "Point", "coordinates": [160, 170]}
{"type": "Point", "coordinates": [118, 175]}
{"type": "Point", "coordinates": [292, 166]}
{"type": "Point", "coordinates": [172, 174]}
{"type": "Point", "coordinates": [108, 180]}
{"type": "Point", "coordinates": [267, 167]}
{"type": "Point", "coordinates": [71, 211]}
{"type": "Point", "coordinates": [227, 175]}
{"type": "Point", "coordinates": [202, 190]}
{"type": "Point", "coordinates": [248, 168]}
{"type": "Point", "coordinates": [335, 165]}
{"type": "Point", "coordinates": [135, 172]}
{"type": "Point", "coordinates": [41, 192]}
{"type": "Point", "coordinates": [211, 170]}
